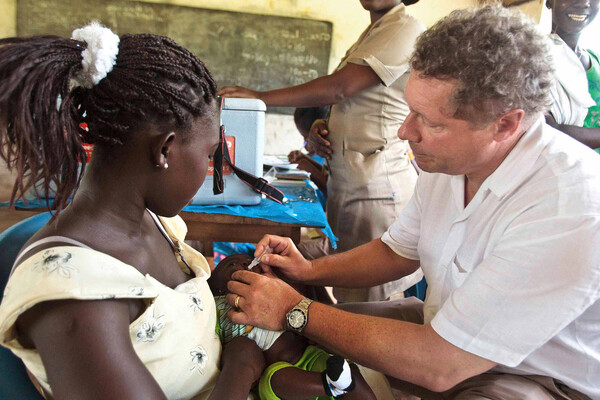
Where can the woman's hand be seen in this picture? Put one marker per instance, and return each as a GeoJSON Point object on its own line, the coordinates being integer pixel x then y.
{"type": "Point", "coordinates": [245, 356]}
{"type": "Point", "coordinates": [239, 92]}
{"type": "Point", "coordinates": [242, 364]}
{"type": "Point", "coordinates": [316, 141]}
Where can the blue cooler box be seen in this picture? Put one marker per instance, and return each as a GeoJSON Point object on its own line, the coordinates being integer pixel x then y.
{"type": "Point", "coordinates": [244, 121]}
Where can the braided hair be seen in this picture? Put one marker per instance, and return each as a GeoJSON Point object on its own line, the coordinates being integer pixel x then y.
{"type": "Point", "coordinates": [41, 115]}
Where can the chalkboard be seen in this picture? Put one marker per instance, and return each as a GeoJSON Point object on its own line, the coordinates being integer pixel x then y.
{"type": "Point", "coordinates": [258, 51]}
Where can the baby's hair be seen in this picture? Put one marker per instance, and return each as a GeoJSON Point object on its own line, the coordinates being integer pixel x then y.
{"type": "Point", "coordinates": [153, 80]}
{"type": "Point", "coordinates": [305, 116]}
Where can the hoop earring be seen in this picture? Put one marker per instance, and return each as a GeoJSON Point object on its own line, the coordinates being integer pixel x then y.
{"type": "Point", "coordinates": [166, 166]}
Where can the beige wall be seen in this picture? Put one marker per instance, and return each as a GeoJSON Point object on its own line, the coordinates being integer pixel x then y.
{"type": "Point", "coordinates": [429, 11]}
{"type": "Point", "coordinates": [347, 16]}
{"type": "Point", "coordinates": [8, 18]}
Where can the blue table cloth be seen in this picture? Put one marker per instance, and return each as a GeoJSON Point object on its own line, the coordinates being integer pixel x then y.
{"type": "Point", "coordinates": [302, 208]}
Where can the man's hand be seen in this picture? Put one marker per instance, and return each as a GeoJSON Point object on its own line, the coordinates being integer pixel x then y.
{"type": "Point", "coordinates": [239, 92]}
{"type": "Point", "coordinates": [316, 141]}
{"type": "Point", "coordinates": [285, 257]}
{"type": "Point", "coordinates": [264, 300]}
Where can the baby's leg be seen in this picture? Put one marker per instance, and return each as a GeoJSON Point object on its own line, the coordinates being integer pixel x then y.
{"type": "Point", "coordinates": [306, 379]}
{"type": "Point", "coordinates": [362, 391]}
{"type": "Point", "coordinates": [293, 383]}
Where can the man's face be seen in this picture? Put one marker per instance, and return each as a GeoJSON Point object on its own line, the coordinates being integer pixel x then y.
{"type": "Point", "coordinates": [440, 142]}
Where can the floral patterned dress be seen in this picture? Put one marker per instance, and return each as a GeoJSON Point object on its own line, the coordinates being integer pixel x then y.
{"type": "Point", "coordinates": [175, 336]}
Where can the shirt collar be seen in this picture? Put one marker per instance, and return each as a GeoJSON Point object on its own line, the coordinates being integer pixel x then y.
{"type": "Point", "coordinates": [399, 9]}
{"type": "Point", "coordinates": [517, 165]}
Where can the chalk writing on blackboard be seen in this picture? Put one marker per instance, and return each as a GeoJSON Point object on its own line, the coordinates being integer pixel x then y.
{"type": "Point", "coordinates": [258, 51]}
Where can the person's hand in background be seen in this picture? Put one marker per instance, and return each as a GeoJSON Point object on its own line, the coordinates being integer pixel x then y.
{"type": "Point", "coordinates": [316, 142]}
{"type": "Point", "coordinates": [239, 92]}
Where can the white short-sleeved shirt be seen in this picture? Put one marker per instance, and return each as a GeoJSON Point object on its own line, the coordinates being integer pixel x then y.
{"type": "Point", "coordinates": [515, 276]}
{"type": "Point", "coordinates": [570, 94]}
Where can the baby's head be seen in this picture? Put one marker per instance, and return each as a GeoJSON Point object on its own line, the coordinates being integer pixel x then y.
{"type": "Point", "coordinates": [222, 273]}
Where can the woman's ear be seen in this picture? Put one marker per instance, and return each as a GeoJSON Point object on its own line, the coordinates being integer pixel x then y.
{"type": "Point", "coordinates": [161, 149]}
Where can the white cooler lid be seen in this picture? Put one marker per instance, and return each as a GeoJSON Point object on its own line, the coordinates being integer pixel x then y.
{"type": "Point", "coordinates": [244, 104]}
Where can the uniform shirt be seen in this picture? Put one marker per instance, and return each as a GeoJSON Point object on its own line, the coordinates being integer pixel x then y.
{"type": "Point", "coordinates": [363, 127]}
{"type": "Point", "coordinates": [570, 96]}
{"type": "Point", "coordinates": [514, 277]}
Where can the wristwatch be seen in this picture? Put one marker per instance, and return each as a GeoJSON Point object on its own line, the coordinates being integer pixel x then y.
{"type": "Point", "coordinates": [297, 317]}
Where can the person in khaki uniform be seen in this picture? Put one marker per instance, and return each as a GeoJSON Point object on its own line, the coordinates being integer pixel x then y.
{"type": "Point", "coordinates": [371, 178]}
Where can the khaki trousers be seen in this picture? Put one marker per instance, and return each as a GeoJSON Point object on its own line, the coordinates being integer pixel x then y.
{"type": "Point", "coordinates": [493, 386]}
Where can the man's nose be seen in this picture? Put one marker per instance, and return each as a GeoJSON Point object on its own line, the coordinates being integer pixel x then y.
{"type": "Point", "coordinates": [408, 130]}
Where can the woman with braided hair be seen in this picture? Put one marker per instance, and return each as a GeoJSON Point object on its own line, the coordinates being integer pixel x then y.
{"type": "Point", "coordinates": [107, 301]}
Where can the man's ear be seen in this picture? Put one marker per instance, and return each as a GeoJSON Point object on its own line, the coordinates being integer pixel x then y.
{"type": "Point", "coordinates": [161, 149]}
{"type": "Point", "coordinates": [509, 124]}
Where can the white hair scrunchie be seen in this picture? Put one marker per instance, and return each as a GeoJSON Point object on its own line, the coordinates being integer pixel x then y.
{"type": "Point", "coordinates": [100, 55]}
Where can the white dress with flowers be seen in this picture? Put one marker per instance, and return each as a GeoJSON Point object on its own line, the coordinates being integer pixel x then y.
{"type": "Point", "coordinates": [175, 336]}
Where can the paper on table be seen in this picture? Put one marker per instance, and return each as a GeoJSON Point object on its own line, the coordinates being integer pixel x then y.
{"type": "Point", "coordinates": [278, 162]}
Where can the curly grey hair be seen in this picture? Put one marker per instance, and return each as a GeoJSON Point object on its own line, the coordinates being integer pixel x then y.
{"type": "Point", "coordinates": [499, 57]}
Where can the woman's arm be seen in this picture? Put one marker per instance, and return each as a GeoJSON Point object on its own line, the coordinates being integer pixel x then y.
{"type": "Point", "coordinates": [242, 363]}
{"type": "Point", "coordinates": [87, 351]}
{"type": "Point", "coordinates": [588, 136]}
{"type": "Point", "coordinates": [326, 90]}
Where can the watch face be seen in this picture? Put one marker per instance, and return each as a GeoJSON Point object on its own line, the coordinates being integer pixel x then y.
{"type": "Point", "coordinates": [296, 319]}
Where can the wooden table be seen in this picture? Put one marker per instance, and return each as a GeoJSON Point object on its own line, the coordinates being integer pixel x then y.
{"type": "Point", "coordinates": [208, 228]}
{"type": "Point", "coordinates": [203, 227]}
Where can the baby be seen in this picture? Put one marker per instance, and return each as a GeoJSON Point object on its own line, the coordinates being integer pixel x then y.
{"type": "Point", "coordinates": [295, 368]}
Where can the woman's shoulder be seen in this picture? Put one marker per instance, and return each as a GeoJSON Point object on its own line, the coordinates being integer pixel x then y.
{"type": "Point", "coordinates": [400, 19]}
{"type": "Point", "coordinates": [69, 272]}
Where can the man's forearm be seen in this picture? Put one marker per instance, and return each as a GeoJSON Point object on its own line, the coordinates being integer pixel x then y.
{"type": "Point", "coordinates": [410, 352]}
{"type": "Point", "coordinates": [371, 264]}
